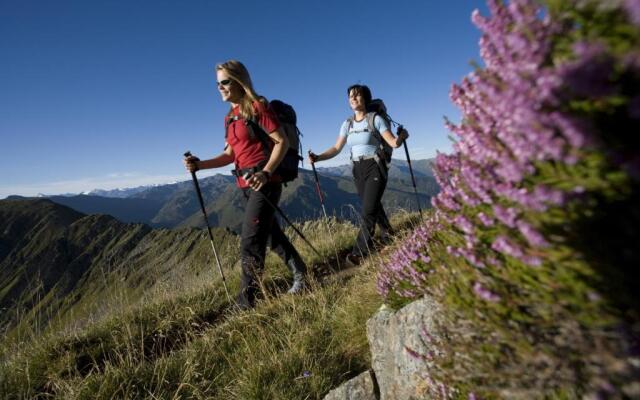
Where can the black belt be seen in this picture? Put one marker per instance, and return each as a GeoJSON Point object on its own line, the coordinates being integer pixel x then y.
{"type": "Point", "coordinates": [364, 158]}
{"type": "Point", "coordinates": [241, 172]}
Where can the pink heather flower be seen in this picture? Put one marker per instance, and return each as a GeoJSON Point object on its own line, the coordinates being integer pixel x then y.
{"type": "Point", "coordinates": [485, 219]}
{"type": "Point", "coordinates": [454, 251]}
{"type": "Point", "coordinates": [531, 234]}
{"type": "Point", "coordinates": [443, 390]}
{"type": "Point", "coordinates": [532, 261]}
{"type": "Point", "coordinates": [493, 261]}
{"type": "Point", "coordinates": [633, 9]}
{"type": "Point", "coordinates": [505, 246]}
{"type": "Point", "coordinates": [418, 356]}
{"type": "Point", "coordinates": [484, 293]}
{"type": "Point", "coordinates": [472, 258]}
{"type": "Point", "coordinates": [512, 121]}
{"type": "Point", "coordinates": [464, 224]}
{"type": "Point", "coordinates": [573, 129]}
{"type": "Point", "coordinates": [425, 335]}
{"type": "Point", "coordinates": [543, 195]}
{"type": "Point", "coordinates": [593, 296]}
{"type": "Point", "coordinates": [471, 240]}
{"type": "Point", "coordinates": [589, 75]}
{"type": "Point", "coordinates": [505, 215]}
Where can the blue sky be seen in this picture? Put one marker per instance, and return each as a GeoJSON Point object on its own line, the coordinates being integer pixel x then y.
{"type": "Point", "coordinates": [105, 94]}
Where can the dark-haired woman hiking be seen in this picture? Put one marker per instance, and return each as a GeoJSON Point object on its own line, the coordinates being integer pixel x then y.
{"type": "Point", "coordinates": [255, 176]}
{"type": "Point", "coordinates": [369, 168]}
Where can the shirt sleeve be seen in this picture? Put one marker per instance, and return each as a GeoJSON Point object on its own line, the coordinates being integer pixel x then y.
{"type": "Point", "coordinates": [343, 128]}
{"type": "Point", "coordinates": [266, 118]}
{"type": "Point", "coordinates": [381, 124]}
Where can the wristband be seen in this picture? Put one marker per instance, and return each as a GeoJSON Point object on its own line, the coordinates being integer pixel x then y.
{"type": "Point", "coordinates": [267, 174]}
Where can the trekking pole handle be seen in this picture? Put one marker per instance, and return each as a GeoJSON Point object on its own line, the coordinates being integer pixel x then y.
{"type": "Point", "coordinates": [404, 143]}
{"type": "Point", "coordinates": [315, 174]}
{"type": "Point", "coordinates": [188, 154]}
{"type": "Point", "coordinates": [400, 129]}
{"type": "Point", "coordinates": [309, 152]}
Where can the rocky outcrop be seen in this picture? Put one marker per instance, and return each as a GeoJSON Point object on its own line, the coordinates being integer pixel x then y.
{"type": "Point", "coordinates": [362, 387]}
{"type": "Point", "coordinates": [402, 344]}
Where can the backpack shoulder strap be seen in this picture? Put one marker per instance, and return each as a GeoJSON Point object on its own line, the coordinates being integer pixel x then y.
{"type": "Point", "coordinates": [227, 124]}
{"type": "Point", "coordinates": [257, 131]}
{"type": "Point", "coordinates": [371, 116]}
{"type": "Point", "coordinates": [383, 154]}
{"type": "Point", "coordinates": [349, 122]}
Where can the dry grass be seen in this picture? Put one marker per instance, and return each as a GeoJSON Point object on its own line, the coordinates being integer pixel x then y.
{"type": "Point", "coordinates": [188, 342]}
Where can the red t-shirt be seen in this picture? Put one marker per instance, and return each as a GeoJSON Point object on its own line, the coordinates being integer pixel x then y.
{"type": "Point", "coordinates": [248, 150]}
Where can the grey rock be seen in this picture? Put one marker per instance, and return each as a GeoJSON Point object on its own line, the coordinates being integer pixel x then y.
{"type": "Point", "coordinates": [362, 387]}
{"type": "Point", "coordinates": [402, 344]}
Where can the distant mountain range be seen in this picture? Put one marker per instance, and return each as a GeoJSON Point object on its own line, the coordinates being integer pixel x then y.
{"type": "Point", "coordinates": [399, 169]}
{"type": "Point", "coordinates": [119, 193]}
{"type": "Point", "coordinates": [176, 205]}
{"type": "Point", "coordinates": [55, 261]}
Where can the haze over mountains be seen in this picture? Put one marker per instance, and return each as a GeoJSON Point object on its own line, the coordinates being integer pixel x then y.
{"type": "Point", "coordinates": [176, 205]}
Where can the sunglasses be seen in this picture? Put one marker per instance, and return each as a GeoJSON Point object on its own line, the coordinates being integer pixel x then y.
{"type": "Point", "coordinates": [224, 82]}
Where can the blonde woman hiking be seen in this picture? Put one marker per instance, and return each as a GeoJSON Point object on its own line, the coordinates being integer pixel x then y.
{"type": "Point", "coordinates": [255, 171]}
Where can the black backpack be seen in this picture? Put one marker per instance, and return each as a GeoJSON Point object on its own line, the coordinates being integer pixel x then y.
{"type": "Point", "coordinates": [377, 107]}
{"type": "Point", "coordinates": [288, 168]}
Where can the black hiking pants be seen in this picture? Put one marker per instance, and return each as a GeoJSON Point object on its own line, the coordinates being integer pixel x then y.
{"type": "Point", "coordinates": [260, 225]}
{"type": "Point", "coordinates": [371, 183]}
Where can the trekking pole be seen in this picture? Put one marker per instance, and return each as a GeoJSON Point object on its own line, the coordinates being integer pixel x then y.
{"type": "Point", "coordinates": [413, 179]}
{"type": "Point", "coordinates": [206, 221]}
{"type": "Point", "coordinates": [324, 211]}
{"type": "Point", "coordinates": [275, 207]}
{"type": "Point", "coordinates": [315, 174]}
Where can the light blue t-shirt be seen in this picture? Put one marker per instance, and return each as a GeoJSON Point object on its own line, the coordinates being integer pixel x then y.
{"type": "Point", "coordinates": [362, 142]}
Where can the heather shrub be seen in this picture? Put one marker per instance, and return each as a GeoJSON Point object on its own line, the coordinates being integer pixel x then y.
{"type": "Point", "coordinates": [532, 237]}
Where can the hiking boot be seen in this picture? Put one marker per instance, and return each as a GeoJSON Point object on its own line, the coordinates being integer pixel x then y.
{"type": "Point", "coordinates": [298, 284]}
{"type": "Point", "coordinates": [384, 240]}
{"type": "Point", "coordinates": [352, 260]}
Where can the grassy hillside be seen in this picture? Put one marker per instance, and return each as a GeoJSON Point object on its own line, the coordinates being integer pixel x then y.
{"type": "Point", "coordinates": [185, 341]}
{"type": "Point", "coordinates": [61, 266]}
